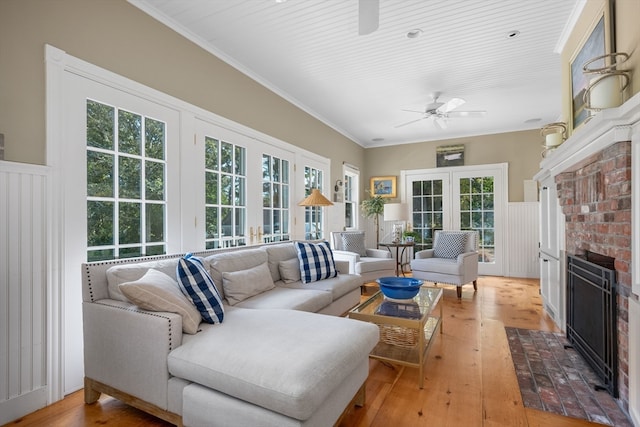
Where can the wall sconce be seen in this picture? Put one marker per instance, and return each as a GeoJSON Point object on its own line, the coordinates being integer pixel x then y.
{"type": "Point", "coordinates": [606, 83]}
{"type": "Point", "coordinates": [554, 134]}
{"type": "Point", "coordinates": [337, 194]}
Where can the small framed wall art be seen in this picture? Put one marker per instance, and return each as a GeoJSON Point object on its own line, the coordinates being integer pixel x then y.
{"type": "Point", "coordinates": [450, 155]}
{"type": "Point", "coordinates": [384, 186]}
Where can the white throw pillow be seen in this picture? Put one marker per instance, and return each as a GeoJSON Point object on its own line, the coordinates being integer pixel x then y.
{"type": "Point", "coordinates": [290, 270]}
{"type": "Point", "coordinates": [155, 291]}
{"type": "Point", "coordinates": [243, 284]}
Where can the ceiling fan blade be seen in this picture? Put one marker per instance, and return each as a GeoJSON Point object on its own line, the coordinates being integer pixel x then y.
{"type": "Point", "coordinates": [450, 105]}
{"type": "Point", "coordinates": [414, 111]}
{"type": "Point", "coordinates": [440, 123]}
{"type": "Point", "coordinates": [368, 16]}
{"type": "Point", "coordinates": [467, 114]}
{"type": "Point", "coordinates": [408, 123]}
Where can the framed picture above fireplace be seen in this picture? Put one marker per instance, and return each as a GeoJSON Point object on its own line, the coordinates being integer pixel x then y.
{"type": "Point", "coordinates": [598, 41]}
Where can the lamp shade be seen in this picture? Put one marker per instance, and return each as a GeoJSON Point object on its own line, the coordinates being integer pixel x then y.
{"type": "Point", "coordinates": [395, 212]}
{"type": "Point", "coordinates": [315, 199]}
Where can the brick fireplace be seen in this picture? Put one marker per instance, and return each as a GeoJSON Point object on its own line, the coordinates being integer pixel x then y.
{"type": "Point", "coordinates": [595, 197]}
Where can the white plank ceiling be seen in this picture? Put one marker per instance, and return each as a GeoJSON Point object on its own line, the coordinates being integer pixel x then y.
{"type": "Point", "coordinates": [310, 53]}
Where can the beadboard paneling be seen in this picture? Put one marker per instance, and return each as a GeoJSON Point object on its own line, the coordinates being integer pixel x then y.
{"type": "Point", "coordinates": [23, 262]}
{"type": "Point", "coordinates": [522, 240]}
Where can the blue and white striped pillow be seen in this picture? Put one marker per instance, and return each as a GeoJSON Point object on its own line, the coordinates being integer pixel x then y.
{"type": "Point", "coordinates": [198, 286]}
{"type": "Point", "coordinates": [316, 261]}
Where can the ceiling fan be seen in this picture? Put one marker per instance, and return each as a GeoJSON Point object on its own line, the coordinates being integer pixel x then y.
{"type": "Point", "coordinates": [439, 112]}
{"type": "Point", "coordinates": [368, 16]}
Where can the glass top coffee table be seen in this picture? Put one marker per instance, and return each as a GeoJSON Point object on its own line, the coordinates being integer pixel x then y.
{"type": "Point", "coordinates": [407, 327]}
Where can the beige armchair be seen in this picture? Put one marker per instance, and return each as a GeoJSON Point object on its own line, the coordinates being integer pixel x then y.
{"type": "Point", "coordinates": [370, 264]}
{"type": "Point", "coordinates": [453, 260]}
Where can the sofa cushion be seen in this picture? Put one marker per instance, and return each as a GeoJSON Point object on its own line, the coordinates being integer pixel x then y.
{"type": "Point", "coordinates": [316, 261]}
{"type": "Point", "coordinates": [243, 284]}
{"type": "Point", "coordinates": [284, 360]}
{"type": "Point", "coordinates": [450, 245]}
{"type": "Point", "coordinates": [354, 242]}
{"type": "Point", "coordinates": [198, 286]}
{"type": "Point", "coordinates": [155, 291]}
{"type": "Point", "coordinates": [279, 252]}
{"type": "Point", "coordinates": [337, 286]}
{"type": "Point", "coordinates": [290, 270]}
{"type": "Point", "coordinates": [294, 299]}
{"type": "Point", "coordinates": [236, 260]}
{"type": "Point", "coordinates": [119, 274]}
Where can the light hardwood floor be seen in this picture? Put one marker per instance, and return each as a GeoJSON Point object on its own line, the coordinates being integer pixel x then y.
{"type": "Point", "coordinates": [469, 376]}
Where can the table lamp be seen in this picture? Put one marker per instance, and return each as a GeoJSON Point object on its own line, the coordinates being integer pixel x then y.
{"type": "Point", "coordinates": [396, 212]}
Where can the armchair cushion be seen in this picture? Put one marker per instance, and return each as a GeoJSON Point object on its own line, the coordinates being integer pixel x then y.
{"type": "Point", "coordinates": [354, 242]}
{"type": "Point", "coordinates": [450, 245]}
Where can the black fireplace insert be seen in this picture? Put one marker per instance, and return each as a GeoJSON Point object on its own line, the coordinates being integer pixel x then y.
{"type": "Point", "coordinates": [592, 317]}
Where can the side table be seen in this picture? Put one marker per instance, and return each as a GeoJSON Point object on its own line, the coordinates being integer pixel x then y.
{"type": "Point", "coordinates": [399, 254]}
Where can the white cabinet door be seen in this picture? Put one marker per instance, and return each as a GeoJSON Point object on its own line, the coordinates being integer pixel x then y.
{"type": "Point", "coordinates": [552, 287]}
{"type": "Point", "coordinates": [549, 217]}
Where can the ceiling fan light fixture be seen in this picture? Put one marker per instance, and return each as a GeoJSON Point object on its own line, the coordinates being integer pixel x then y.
{"type": "Point", "coordinates": [415, 33]}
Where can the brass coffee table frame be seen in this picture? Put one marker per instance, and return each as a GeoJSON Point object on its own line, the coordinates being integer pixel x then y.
{"type": "Point", "coordinates": [425, 325]}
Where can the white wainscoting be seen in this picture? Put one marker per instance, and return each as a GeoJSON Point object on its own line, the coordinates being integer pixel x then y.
{"type": "Point", "coordinates": [23, 280]}
{"type": "Point", "coordinates": [523, 236]}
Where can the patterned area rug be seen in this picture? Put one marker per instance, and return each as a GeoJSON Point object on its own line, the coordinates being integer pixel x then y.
{"type": "Point", "coordinates": [558, 380]}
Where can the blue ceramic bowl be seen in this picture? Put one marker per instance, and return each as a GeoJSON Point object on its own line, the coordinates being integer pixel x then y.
{"type": "Point", "coordinates": [399, 287]}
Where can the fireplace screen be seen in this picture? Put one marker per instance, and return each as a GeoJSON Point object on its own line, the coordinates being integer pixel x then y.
{"type": "Point", "coordinates": [591, 316]}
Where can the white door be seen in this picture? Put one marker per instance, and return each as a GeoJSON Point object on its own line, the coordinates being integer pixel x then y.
{"type": "Point", "coordinates": [461, 198]}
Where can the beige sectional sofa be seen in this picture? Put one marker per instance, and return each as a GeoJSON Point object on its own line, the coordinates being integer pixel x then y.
{"type": "Point", "coordinates": [277, 359]}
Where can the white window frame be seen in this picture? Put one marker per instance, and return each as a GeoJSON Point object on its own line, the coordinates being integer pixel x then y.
{"type": "Point", "coordinates": [349, 171]}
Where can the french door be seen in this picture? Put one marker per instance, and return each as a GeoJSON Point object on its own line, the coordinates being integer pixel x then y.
{"type": "Point", "coordinates": [460, 198]}
{"type": "Point", "coordinates": [246, 187]}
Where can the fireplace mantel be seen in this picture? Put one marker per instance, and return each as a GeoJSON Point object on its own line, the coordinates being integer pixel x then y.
{"type": "Point", "coordinates": [604, 129]}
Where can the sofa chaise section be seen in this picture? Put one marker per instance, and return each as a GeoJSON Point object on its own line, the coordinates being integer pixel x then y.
{"type": "Point", "coordinates": [283, 361]}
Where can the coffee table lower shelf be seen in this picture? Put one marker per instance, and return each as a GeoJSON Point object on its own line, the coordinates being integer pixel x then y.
{"type": "Point", "coordinates": [413, 356]}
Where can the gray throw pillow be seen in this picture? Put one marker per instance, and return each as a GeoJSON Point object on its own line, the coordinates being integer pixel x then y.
{"type": "Point", "coordinates": [290, 270]}
{"type": "Point", "coordinates": [450, 245]}
{"type": "Point", "coordinates": [354, 242]}
{"type": "Point", "coordinates": [243, 284]}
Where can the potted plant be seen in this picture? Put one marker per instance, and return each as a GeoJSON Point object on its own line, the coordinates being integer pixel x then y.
{"type": "Point", "coordinates": [373, 208]}
{"type": "Point", "coordinates": [411, 236]}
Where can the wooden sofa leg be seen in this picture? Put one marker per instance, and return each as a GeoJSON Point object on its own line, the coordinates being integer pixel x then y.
{"type": "Point", "coordinates": [360, 397]}
{"type": "Point", "coordinates": [90, 395]}
{"type": "Point", "coordinates": [475, 285]}
{"type": "Point", "coordinates": [459, 291]}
